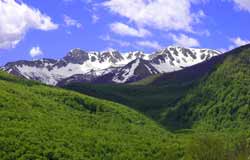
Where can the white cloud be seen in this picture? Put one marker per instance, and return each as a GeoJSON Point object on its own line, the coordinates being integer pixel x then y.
{"type": "Point", "coordinates": [222, 50]}
{"type": "Point", "coordinates": [117, 41]}
{"type": "Point", "coordinates": [16, 18]}
{"type": "Point", "coordinates": [243, 4]}
{"type": "Point", "coordinates": [236, 42]}
{"type": "Point", "coordinates": [95, 18]}
{"type": "Point", "coordinates": [149, 44]}
{"type": "Point", "coordinates": [185, 41]}
{"type": "Point", "coordinates": [239, 42]}
{"type": "Point", "coordinates": [70, 22]}
{"type": "Point", "coordinates": [35, 51]}
{"type": "Point", "coordinates": [159, 14]}
{"type": "Point", "coordinates": [125, 30]}
{"type": "Point", "coordinates": [109, 49]}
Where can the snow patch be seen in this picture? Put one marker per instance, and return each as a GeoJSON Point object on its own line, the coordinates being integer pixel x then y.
{"type": "Point", "coordinates": [128, 73]}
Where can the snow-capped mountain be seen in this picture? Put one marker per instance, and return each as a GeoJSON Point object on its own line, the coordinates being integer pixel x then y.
{"type": "Point", "coordinates": [134, 71]}
{"type": "Point", "coordinates": [175, 58]}
{"type": "Point", "coordinates": [108, 66]}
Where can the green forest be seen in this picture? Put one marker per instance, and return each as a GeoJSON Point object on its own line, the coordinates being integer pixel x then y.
{"type": "Point", "coordinates": [204, 119]}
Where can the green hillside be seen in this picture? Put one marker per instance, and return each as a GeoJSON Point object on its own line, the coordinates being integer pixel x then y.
{"type": "Point", "coordinates": [207, 110]}
{"type": "Point", "coordinates": [208, 116]}
{"type": "Point", "coordinates": [151, 100]}
{"type": "Point", "coordinates": [154, 96]}
{"type": "Point", "coordinates": [40, 122]}
{"type": "Point", "coordinates": [220, 102]}
{"type": "Point", "coordinates": [213, 95]}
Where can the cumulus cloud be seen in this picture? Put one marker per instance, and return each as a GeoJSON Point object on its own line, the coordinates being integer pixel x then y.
{"type": "Point", "coordinates": [243, 4]}
{"type": "Point", "coordinates": [16, 18]}
{"type": "Point", "coordinates": [239, 42]}
{"type": "Point", "coordinates": [70, 22]}
{"type": "Point", "coordinates": [149, 44]}
{"type": "Point", "coordinates": [185, 41]}
{"type": "Point", "coordinates": [236, 42]}
{"type": "Point", "coordinates": [159, 14]}
{"type": "Point", "coordinates": [117, 41]}
{"type": "Point", "coordinates": [125, 30]}
{"type": "Point", "coordinates": [35, 51]}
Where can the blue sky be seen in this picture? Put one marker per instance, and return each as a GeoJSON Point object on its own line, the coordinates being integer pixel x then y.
{"type": "Point", "coordinates": [50, 28]}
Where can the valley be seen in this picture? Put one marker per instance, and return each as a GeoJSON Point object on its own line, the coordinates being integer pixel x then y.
{"type": "Point", "coordinates": [124, 80]}
{"type": "Point", "coordinates": [177, 100]}
{"type": "Point", "coordinates": [185, 116]}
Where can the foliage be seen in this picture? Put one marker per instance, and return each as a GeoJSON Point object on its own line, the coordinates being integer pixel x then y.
{"type": "Point", "coordinates": [216, 100]}
{"type": "Point", "coordinates": [218, 146]}
{"type": "Point", "coordinates": [154, 101]}
{"type": "Point", "coordinates": [220, 102]}
{"type": "Point", "coordinates": [209, 117]}
{"type": "Point", "coordinates": [40, 122]}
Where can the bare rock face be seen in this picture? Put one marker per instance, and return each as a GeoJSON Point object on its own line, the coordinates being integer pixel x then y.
{"type": "Point", "coordinates": [108, 66]}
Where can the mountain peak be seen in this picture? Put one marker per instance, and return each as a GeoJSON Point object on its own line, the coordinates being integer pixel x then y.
{"type": "Point", "coordinates": [76, 56]}
{"type": "Point", "coordinates": [134, 71]}
{"type": "Point", "coordinates": [111, 56]}
{"type": "Point", "coordinates": [135, 55]}
{"type": "Point", "coordinates": [116, 67]}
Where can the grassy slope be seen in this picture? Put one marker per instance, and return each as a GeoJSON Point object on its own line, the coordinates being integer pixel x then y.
{"type": "Point", "coordinates": [155, 95]}
{"type": "Point", "coordinates": [146, 81]}
{"type": "Point", "coordinates": [43, 123]}
{"type": "Point", "coordinates": [215, 106]}
{"type": "Point", "coordinates": [215, 93]}
{"type": "Point", "coordinates": [220, 102]}
{"type": "Point", "coordinates": [40, 122]}
{"type": "Point", "coordinates": [154, 101]}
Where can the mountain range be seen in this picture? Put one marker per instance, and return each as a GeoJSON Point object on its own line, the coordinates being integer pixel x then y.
{"type": "Point", "coordinates": [200, 112]}
{"type": "Point", "coordinates": [108, 66]}
{"type": "Point", "coordinates": [213, 94]}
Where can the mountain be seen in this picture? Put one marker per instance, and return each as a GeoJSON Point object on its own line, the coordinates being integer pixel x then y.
{"type": "Point", "coordinates": [134, 71]}
{"type": "Point", "coordinates": [108, 66]}
{"type": "Point", "coordinates": [41, 122]}
{"type": "Point", "coordinates": [221, 100]}
{"type": "Point", "coordinates": [213, 93]}
{"type": "Point", "coordinates": [154, 95]}
{"type": "Point", "coordinates": [176, 58]}
{"type": "Point", "coordinates": [209, 116]}
{"type": "Point", "coordinates": [75, 62]}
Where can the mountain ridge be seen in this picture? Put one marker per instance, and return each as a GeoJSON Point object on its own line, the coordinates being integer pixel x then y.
{"type": "Point", "coordinates": [211, 117]}
{"type": "Point", "coordinates": [81, 63]}
{"type": "Point", "coordinates": [157, 95]}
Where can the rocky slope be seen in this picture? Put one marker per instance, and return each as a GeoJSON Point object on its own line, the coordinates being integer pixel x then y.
{"type": "Point", "coordinates": [108, 66]}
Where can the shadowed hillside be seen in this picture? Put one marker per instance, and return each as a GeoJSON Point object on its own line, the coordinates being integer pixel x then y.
{"type": "Point", "coordinates": [220, 101]}
{"type": "Point", "coordinates": [164, 97]}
